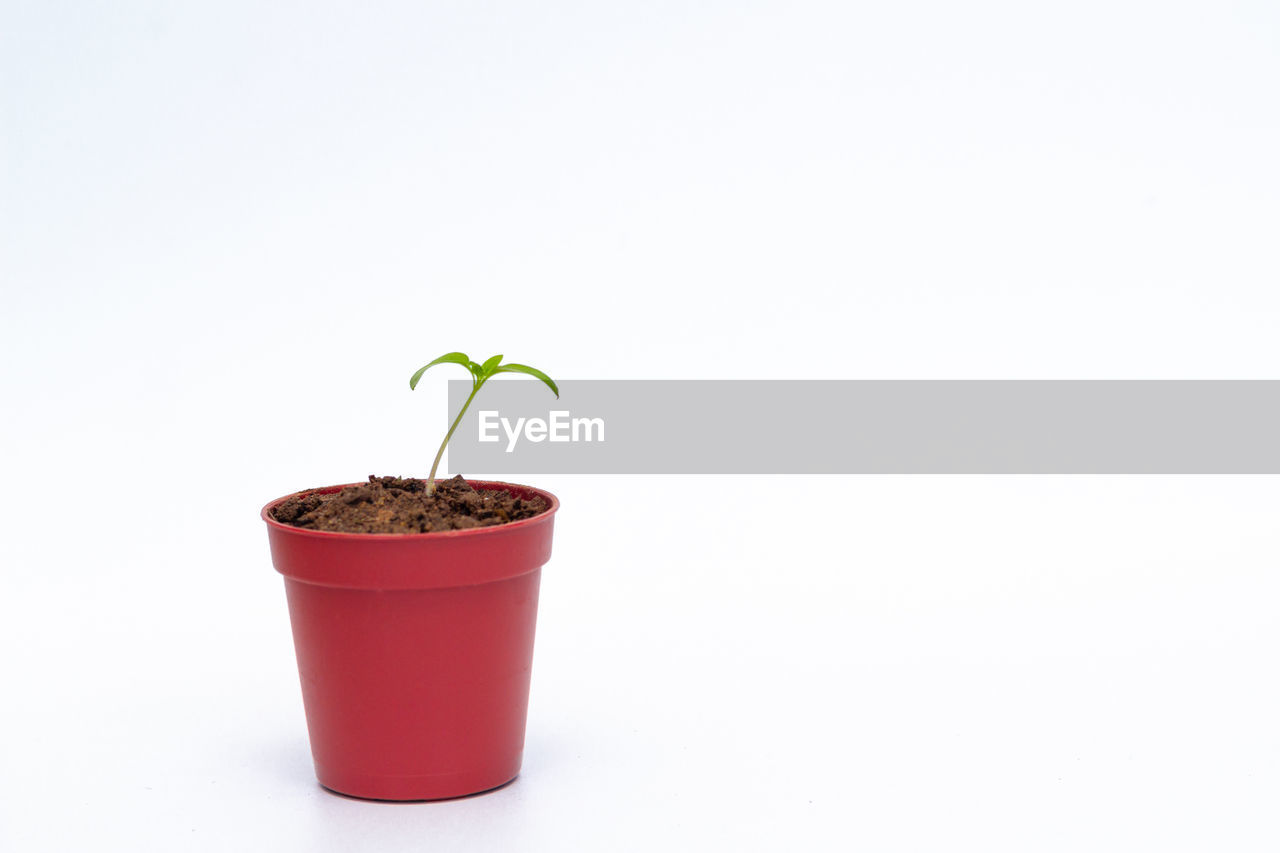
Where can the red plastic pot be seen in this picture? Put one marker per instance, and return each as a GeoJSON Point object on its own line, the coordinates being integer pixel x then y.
{"type": "Point", "coordinates": [415, 650]}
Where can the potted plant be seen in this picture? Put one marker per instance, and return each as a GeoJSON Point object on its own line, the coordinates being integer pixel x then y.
{"type": "Point", "coordinates": [413, 605]}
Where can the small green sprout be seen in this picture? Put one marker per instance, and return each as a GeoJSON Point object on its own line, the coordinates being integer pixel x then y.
{"type": "Point", "coordinates": [480, 374]}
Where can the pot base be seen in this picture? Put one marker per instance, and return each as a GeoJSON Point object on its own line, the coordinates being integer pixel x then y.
{"type": "Point", "coordinates": [405, 789]}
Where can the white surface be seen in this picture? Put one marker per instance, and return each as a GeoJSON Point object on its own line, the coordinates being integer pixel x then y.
{"type": "Point", "coordinates": [996, 664]}
{"type": "Point", "coordinates": [231, 232]}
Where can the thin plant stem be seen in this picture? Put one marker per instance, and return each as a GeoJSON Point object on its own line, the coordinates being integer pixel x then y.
{"type": "Point", "coordinates": [431, 479]}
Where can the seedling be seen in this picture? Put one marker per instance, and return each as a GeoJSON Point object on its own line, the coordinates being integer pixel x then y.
{"type": "Point", "coordinates": [480, 374]}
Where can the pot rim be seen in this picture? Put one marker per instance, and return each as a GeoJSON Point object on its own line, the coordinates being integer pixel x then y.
{"type": "Point", "coordinates": [553, 504]}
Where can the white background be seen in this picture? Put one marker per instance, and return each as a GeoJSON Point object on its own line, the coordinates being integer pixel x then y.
{"type": "Point", "coordinates": [231, 231]}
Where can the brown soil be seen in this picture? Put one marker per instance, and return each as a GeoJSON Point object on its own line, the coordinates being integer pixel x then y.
{"type": "Point", "coordinates": [395, 505]}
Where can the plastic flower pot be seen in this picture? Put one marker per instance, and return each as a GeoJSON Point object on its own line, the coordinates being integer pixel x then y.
{"type": "Point", "coordinates": [415, 650]}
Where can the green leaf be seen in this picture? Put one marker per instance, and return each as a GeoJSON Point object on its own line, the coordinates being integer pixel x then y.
{"type": "Point", "coordinates": [531, 371]}
{"type": "Point", "coordinates": [490, 364]}
{"type": "Point", "coordinates": [447, 358]}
